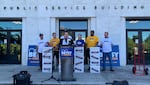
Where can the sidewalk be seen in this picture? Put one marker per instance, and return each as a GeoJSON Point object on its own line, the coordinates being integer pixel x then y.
{"type": "Point", "coordinates": [120, 73]}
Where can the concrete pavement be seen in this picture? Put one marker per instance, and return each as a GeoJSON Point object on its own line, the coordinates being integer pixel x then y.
{"type": "Point", "coordinates": [120, 73]}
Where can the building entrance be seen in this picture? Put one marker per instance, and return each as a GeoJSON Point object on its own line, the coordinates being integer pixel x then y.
{"type": "Point", "coordinates": [141, 40]}
{"type": "Point", "coordinates": [10, 41]}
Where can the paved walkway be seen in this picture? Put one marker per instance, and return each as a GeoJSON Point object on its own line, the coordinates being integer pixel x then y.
{"type": "Point", "coordinates": [121, 73]}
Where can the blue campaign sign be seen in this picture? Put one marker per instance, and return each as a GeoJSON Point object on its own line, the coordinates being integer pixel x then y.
{"type": "Point", "coordinates": [66, 51]}
{"type": "Point", "coordinates": [115, 57]}
{"type": "Point", "coordinates": [33, 59]}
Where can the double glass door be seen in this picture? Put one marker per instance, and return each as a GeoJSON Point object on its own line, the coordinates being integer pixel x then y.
{"type": "Point", "coordinates": [10, 47]}
{"type": "Point", "coordinates": [140, 39]}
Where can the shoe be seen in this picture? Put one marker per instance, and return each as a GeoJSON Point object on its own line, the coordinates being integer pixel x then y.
{"type": "Point", "coordinates": [103, 70]}
{"type": "Point", "coordinates": [112, 70]}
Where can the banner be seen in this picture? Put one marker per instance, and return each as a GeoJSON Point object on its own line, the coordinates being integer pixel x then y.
{"type": "Point", "coordinates": [79, 59]}
{"type": "Point", "coordinates": [47, 59]}
{"type": "Point", "coordinates": [115, 57]}
{"type": "Point", "coordinates": [33, 59]}
{"type": "Point", "coordinates": [66, 51]}
{"type": "Point", "coordinates": [95, 60]}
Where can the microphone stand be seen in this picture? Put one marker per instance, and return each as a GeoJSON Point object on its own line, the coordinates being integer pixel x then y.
{"type": "Point", "coordinates": [51, 77]}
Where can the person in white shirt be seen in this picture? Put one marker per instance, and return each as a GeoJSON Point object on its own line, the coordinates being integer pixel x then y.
{"type": "Point", "coordinates": [66, 40]}
{"type": "Point", "coordinates": [40, 44]}
{"type": "Point", "coordinates": [106, 44]}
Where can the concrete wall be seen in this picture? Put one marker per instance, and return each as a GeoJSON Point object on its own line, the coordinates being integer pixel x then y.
{"type": "Point", "coordinates": [41, 16]}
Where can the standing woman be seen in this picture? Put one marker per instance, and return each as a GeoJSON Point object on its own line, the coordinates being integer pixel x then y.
{"type": "Point", "coordinates": [80, 41]}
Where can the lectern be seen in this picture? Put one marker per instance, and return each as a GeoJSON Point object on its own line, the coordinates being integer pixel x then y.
{"type": "Point", "coordinates": [66, 55]}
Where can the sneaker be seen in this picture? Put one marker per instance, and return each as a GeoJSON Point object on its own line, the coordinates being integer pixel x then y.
{"type": "Point", "coordinates": [111, 70]}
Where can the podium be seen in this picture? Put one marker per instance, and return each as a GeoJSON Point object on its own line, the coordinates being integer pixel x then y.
{"type": "Point", "coordinates": [67, 55]}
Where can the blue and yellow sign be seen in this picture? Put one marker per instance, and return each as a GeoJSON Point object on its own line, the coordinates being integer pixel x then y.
{"type": "Point", "coordinates": [115, 57]}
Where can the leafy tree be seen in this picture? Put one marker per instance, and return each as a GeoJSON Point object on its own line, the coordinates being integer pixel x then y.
{"type": "Point", "coordinates": [147, 43]}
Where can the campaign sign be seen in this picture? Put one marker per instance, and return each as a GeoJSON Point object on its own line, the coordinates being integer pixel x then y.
{"type": "Point", "coordinates": [78, 54]}
{"type": "Point", "coordinates": [47, 59]}
{"type": "Point", "coordinates": [66, 51]}
{"type": "Point", "coordinates": [95, 60]}
{"type": "Point", "coordinates": [95, 69]}
{"type": "Point", "coordinates": [79, 69]}
{"type": "Point", "coordinates": [33, 59]}
{"type": "Point", "coordinates": [79, 59]}
{"type": "Point", "coordinates": [115, 57]}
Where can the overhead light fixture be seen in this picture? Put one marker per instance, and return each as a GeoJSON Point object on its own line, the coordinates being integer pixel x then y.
{"type": "Point", "coordinates": [17, 22]}
{"type": "Point", "coordinates": [133, 21]}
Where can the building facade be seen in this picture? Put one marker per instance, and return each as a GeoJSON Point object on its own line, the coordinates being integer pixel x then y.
{"type": "Point", "coordinates": [118, 17]}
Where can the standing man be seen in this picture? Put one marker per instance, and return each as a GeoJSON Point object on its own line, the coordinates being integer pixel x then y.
{"type": "Point", "coordinates": [66, 40]}
{"type": "Point", "coordinates": [106, 44]}
{"type": "Point", "coordinates": [54, 42]}
{"type": "Point", "coordinates": [40, 45]}
{"type": "Point", "coordinates": [91, 41]}
{"type": "Point", "coordinates": [80, 41]}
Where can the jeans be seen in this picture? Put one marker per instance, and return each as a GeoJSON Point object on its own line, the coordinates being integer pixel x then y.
{"type": "Point", "coordinates": [56, 54]}
{"type": "Point", "coordinates": [87, 56]}
{"type": "Point", "coordinates": [109, 55]}
{"type": "Point", "coordinates": [40, 60]}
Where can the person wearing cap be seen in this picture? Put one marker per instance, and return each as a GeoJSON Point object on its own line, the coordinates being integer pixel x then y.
{"type": "Point", "coordinates": [40, 45]}
{"type": "Point", "coordinates": [106, 44]}
{"type": "Point", "coordinates": [91, 41]}
{"type": "Point", "coordinates": [54, 42]}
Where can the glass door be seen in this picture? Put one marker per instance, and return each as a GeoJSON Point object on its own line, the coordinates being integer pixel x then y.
{"type": "Point", "coordinates": [146, 45]}
{"type": "Point", "coordinates": [3, 46]}
{"type": "Point", "coordinates": [141, 40]}
{"type": "Point", "coordinates": [132, 36]}
{"type": "Point", "coordinates": [10, 47]}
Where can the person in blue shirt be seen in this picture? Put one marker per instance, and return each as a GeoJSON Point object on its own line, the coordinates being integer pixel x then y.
{"type": "Point", "coordinates": [80, 41]}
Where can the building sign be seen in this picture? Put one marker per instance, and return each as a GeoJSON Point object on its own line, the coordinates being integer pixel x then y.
{"type": "Point", "coordinates": [115, 57]}
{"type": "Point", "coordinates": [47, 59]}
{"type": "Point", "coordinates": [33, 59]}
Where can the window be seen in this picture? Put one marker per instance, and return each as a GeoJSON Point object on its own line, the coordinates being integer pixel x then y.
{"type": "Point", "coordinates": [11, 25]}
{"type": "Point", "coordinates": [74, 27]}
